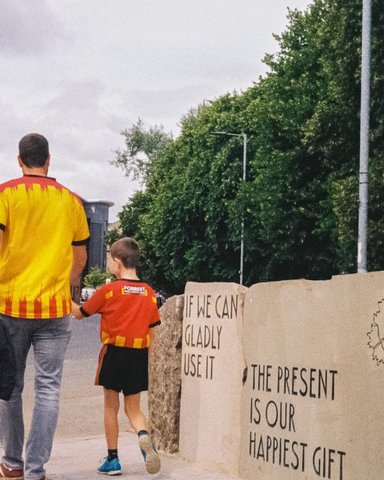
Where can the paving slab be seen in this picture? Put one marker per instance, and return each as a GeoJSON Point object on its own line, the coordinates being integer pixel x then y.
{"type": "Point", "coordinates": [78, 459]}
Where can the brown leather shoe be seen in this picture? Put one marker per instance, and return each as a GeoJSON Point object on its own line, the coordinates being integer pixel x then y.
{"type": "Point", "coordinates": [14, 474]}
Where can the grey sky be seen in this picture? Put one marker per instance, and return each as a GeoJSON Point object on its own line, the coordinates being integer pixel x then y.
{"type": "Point", "coordinates": [80, 72]}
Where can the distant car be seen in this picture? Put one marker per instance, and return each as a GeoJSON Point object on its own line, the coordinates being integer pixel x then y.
{"type": "Point", "coordinates": [86, 293]}
{"type": "Point", "coordinates": [160, 299]}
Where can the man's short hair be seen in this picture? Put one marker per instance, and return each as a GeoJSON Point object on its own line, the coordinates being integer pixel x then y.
{"type": "Point", "coordinates": [127, 250]}
{"type": "Point", "coordinates": [34, 150]}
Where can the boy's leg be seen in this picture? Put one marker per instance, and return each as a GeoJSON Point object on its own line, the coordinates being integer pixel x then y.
{"type": "Point", "coordinates": [135, 416]}
{"type": "Point", "coordinates": [111, 464]}
{"type": "Point", "coordinates": [111, 425]}
{"type": "Point", "coordinates": [139, 424]}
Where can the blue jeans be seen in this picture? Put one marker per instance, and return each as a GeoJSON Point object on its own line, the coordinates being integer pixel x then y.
{"type": "Point", "coordinates": [49, 339]}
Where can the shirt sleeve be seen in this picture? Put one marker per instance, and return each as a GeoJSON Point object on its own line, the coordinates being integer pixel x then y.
{"type": "Point", "coordinates": [81, 233]}
{"type": "Point", "coordinates": [95, 304]}
{"type": "Point", "coordinates": [155, 319]}
{"type": "Point", "coordinates": [155, 324]}
{"type": "Point", "coordinates": [3, 212]}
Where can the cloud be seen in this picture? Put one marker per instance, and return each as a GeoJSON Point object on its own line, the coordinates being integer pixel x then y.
{"type": "Point", "coordinates": [79, 72]}
{"type": "Point", "coordinates": [79, 97]}
{"type": "Point", "coordinates": [82, 133]}
{"type": "Point", "coordinates": [27, 28]}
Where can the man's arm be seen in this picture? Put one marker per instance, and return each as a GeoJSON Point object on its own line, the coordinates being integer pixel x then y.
{"type": "Point", "coordinates": [79, 260]}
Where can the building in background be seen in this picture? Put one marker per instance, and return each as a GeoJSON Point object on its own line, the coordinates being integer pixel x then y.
{"type": "Point", "coordinates": [97, 212]}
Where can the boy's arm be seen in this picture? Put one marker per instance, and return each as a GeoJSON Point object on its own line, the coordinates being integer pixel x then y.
{"type": "Point", "coordinates": [76, 312]}
{"type": "Point", "coordinates": [93, 305]}
{"type": "Point", "coordinates": [151, 340]}
{"type": "Point", "coordinates": [152, 334]}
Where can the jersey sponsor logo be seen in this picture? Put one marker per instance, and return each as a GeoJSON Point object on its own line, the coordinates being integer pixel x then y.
{"type": "Point", "coordinates": [130, 289]}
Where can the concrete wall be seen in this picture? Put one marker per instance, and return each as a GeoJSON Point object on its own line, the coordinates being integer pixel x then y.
{"type": "Point", "coordinates": [313, 402]}
{"type": "Point", "coordinates": [212, 369]}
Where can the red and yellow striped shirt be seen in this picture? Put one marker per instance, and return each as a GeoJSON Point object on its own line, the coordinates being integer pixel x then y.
{"type": "Point", "coordinates": [41, 221]}
{"type": "Point", "coordinates": [128, 310]}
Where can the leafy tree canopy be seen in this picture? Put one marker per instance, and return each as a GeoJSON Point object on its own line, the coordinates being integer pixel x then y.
{"type": "Point", "coordinates": [142, 149]}
{"type": "Point", "coordinates": [96, 277]}
{"type": "Point", "coordinates": [299, 202]}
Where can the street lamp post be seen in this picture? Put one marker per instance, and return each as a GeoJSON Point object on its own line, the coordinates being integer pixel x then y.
{"type": "Point", "coordinates": [364, 138]}
{"type": "Point", "coordinates": [244, 135]}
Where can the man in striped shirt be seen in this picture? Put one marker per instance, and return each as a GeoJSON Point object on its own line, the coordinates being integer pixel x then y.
{"type": "Point", "coordinates": [43, 238]}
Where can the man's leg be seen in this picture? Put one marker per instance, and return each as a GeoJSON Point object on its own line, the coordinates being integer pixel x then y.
{"type": "Point", "coordinates": [49, 342]}
{"type": "Point", "coordinates": [11, 413]}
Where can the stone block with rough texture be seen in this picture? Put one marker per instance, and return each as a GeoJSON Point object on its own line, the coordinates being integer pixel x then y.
{"type": "Point", "coordinates": [165, 376]}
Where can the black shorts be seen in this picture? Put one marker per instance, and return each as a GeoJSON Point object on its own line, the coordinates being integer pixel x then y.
{"type": "Point", "coordinates": [123, 369]}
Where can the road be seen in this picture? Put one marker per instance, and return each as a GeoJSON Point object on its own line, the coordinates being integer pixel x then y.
{"type": "Point", "coordinates": [81, 406]}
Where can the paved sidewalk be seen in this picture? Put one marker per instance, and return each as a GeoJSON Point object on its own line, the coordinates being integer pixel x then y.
{"type": "Point", "coordinates": [77, 459]}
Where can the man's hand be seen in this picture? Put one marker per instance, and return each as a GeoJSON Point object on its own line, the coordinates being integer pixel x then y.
{"type": "Point", "coordinates": [76, 311]}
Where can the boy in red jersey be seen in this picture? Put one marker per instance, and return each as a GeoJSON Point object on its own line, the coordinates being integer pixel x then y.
{"type": "Point", "coordinates": [128, 310]}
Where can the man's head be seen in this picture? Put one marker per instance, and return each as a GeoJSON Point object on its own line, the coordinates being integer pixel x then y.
{"type": "Point", "coordinates": [127, 251]}
{"type": "Point", "coordinates": [34, 150]}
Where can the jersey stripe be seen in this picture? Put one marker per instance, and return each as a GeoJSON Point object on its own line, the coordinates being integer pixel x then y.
{"type": "Point", "coordinates": [52, 307]}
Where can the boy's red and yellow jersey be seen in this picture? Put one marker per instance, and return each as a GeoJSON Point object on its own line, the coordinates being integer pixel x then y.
{"type": "Point", "coordinates": [128, 310]}
{"type": "Point", "coordinates": [41, 221]}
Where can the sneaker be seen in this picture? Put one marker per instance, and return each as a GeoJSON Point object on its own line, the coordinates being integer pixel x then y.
{"type": "Point", "coordinates": [151, 457]}
{"type": "Point", "coordinates": [109, 468]}
{"type": "Point", "coordinates": [15, 474]}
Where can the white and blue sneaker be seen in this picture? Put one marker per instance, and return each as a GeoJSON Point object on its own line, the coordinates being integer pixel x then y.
{"type": "Point", "coordinates": [109, 468]}
{"type": "Point", "coordinates": [151, 457]}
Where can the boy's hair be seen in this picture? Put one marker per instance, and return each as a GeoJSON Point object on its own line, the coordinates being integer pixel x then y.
{"type": "Point", "coordinates": [33, 150]}
{"type": "Point", "coordinates": [127, 250]}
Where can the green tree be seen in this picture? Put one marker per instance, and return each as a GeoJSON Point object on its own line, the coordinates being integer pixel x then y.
{"type": "Point", "coordinates": [186, 227]}
{"type": "Point", "coordinates": [282, 196]}
{"type": "Point", "coordinates": [142, 149]}
{"type": "Point", "coordinates": [335, 132]}
{"type": "Point", "coordinates": [96, 277]}
{"type": "Point", "coordinates": [299, 203]}
{"type": "Point", "coordinates": [111, 236]}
